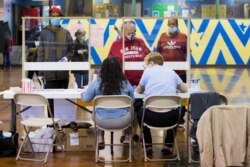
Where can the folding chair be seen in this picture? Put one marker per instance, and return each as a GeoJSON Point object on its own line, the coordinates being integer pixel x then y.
{"type": "Point", "coordinates": [161, 102]}
{"type": "Point", "coordinates": [30, 100]}
{"type": "Point", "coordinates": [113, 102]}
{"type": "Point", "coordinates": [200, 103]}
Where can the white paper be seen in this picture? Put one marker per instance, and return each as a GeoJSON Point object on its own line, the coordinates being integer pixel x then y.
{"type": "Point", "coordinates": [74, 139]}
{"type": "Point", "coordinates": [64, 110]}
{"type": "Point", "coordinates": [96, 36]}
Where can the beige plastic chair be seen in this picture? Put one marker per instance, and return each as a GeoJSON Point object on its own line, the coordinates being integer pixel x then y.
{"type": "Point", "coordinates": [223, 101]}
{"type": "Point", "coordinates": [112, 102]}
{"type": "Point", "coordinates": [30, 100]}
{"type": "Point", "coordinates": [163, 102]}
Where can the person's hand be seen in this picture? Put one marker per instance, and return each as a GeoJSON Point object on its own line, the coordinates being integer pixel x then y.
{"type": "Point", "coordinates": [80, 52]}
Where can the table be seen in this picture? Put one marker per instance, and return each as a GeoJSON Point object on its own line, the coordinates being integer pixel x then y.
{"type": "Point", "coordinates": [63, 94]}
{"type": "Point", "coordinates": [48, 93]}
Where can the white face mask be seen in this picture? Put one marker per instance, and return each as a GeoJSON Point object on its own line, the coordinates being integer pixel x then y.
{"type": "Point", "coordinates": [172, 30]}
{"type": "Point", "coordinates": [130, 37]}
{"type": "Point", "coordinates": [83, 39]}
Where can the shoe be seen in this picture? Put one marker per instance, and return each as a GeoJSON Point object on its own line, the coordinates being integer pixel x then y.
{"type": "Point", "coordinates": [149, 151]}
{"type": "Point", "coordinates": [193, 142]}
{"type": "Point", "coordinates": [182, 123]}
{"type": "Point", "coordinates": [101, 142]}
{"type": "Point", "coordinates": [167, 150]}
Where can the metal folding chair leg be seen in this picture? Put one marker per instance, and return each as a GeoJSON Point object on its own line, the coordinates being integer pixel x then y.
{"type": "Point", "coordinates": [129, 158]}
{"type": "Point", "coordinates": [146, 158]}
{"type": "Point", "coordinates": [112, 142]}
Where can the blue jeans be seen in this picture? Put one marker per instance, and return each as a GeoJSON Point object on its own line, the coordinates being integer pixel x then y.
{"type": "Point", "coordinates": [81, 79]}
{"type": "Point", "coordinates": [6, 59]}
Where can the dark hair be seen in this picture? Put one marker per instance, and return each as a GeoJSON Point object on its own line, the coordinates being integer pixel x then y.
{"type": "Point", "coordinates": [112, 77]}
{"type": "Point", "coordinates": [176, 21]}
{"type": "Point", "coordinates": [174, 18]}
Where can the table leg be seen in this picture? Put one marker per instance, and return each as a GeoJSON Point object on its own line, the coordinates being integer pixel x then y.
{"type": "Point", "coordinates": [13, 116]}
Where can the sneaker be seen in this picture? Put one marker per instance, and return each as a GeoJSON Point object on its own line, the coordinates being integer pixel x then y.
{"type": "Point", "coordinates": [101, 143]}
{"type": "Point", "coordinates": [193, 142]}
{"type": "Point", "coordinates": [149, 151]}
{"type": "Point", "coordinates": [182, 123]}
{"type": "Point", "coordinates": [167, 150]}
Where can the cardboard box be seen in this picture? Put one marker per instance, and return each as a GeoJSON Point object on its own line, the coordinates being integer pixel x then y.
{"type": "Point", "coordinates": [80, 140]}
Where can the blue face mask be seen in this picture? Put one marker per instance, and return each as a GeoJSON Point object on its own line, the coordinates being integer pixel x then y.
{"type": "Point", "coordinates": [172, 30]}
{"type": "Point", "coordinates": [55, 22]}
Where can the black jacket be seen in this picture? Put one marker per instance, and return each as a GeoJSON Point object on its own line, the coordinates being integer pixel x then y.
{"type": "Point", "coordinates": [77, 45]}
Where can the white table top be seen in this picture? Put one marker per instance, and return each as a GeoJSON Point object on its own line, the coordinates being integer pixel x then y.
{"type": "Point", "coordinates": [74, 93]}
{"type": "Point", "coordinates": [50, 93]}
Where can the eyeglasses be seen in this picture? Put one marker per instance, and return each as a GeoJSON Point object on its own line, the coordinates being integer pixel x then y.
{"type": "Point", "coordinates": [131, 33]}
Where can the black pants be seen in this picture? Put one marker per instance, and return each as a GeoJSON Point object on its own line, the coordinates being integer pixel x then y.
{"type": "Point", "coordinates": [159, 120]}
{"type": "Point", "coordinates": [183, 77]}
{"type": "Point", "coordinates": [55, 84]}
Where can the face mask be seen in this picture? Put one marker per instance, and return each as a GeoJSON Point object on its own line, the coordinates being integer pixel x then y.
{"type": "Point", "coordinates": [130, 37]}
{"type": "Point", "coordinates": [83, 39]}
{"type": "Point", "coordinates": [55, 22]}
{"type": "Point", "coordinates": [172, 30]}
{"type": "Point", "coordinates": [192, 12]}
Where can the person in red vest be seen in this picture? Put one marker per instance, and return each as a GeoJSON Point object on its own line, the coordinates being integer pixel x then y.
{"type": "Point", "coordinates": [134, 49]}
{"type": "Point", "coordinates": [173, 45]}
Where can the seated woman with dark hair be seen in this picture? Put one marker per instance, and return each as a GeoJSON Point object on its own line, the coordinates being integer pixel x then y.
{"type": "Point", "coordinates": [159, 80]}
{"type": "Point", "coordinates": [111, 81]}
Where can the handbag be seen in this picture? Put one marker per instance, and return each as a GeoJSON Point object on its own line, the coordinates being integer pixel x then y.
{"type": "Point", "coordinates": [9, 145]}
